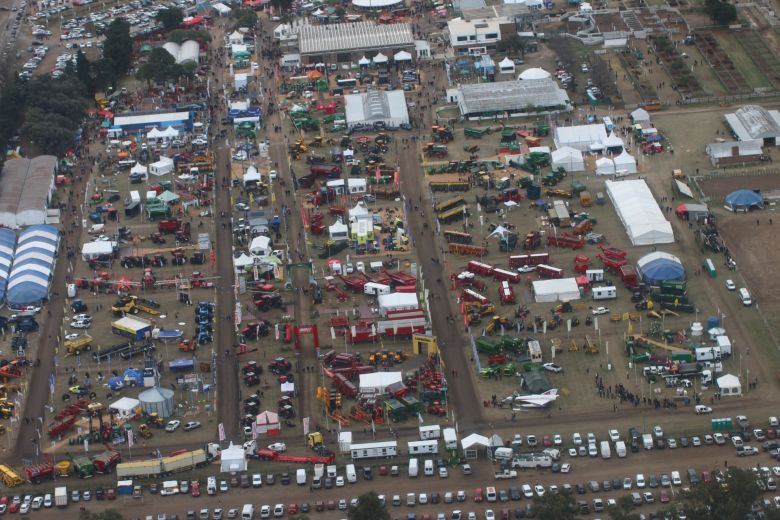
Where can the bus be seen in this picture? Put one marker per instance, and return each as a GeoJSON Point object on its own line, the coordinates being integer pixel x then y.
{"type": "Point", "coordinates": [449, 204]}
{"type": "Point", "coordinates": [453, 214]}
{"type": "Point", "coordinates": [457, 237]}
{"type": "Point", "coordinates": [346, 83]}
{"type": "Point", "coordinates": [449, 186]}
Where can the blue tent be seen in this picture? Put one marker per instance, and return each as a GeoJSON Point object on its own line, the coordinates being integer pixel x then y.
{"type": "Point", "coordinates": [744, 200]}
{"type": "Point", "coordinates": [7, 244]}
{"type": "Point", "coordinates": [658, 266]}
{"type": "Point", "coordinates": [133, 376]}
{"type": "Point", "coordinates": [115, 383]}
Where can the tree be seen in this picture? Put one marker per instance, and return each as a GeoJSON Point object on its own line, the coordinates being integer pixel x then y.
{"type": "Point", "coordinates": [721, 12]}
{"type": "Point", "coordinates": [118, 47]}
{"type": "Point", "coordinates": [181, 35]}
{"type": "Point", "coordinates": [170, 18]}
{"type": "Point", "coordinates": [555, 506]}
{"type": "Point", "coordinates": [513, 44]}
{"type": "Point", "coordinates": [731, 498]}
{"type": "Point", "coordinates": [84, 71]}
{"type": "Point", "coordinates": [368, 508]}
{"type": "Point", "coordinates": [245, 17]}
{"type": "Point", "coordinates": [623, 509]}
{"type": "Point", "coordinates": [54, 112]}
{"type": "Point", "coordinates": [108, 514]}
{"type": "Point", "coordinates": [339, 11]}
{"type": "Point", "coordinates": [160, 67]}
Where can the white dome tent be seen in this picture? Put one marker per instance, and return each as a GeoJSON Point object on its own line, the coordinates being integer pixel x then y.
{"type": "Point", "coordinates": [157, 400]}
{"type": "Point", "coordinates": [568, 158]}
{"type": "Point", "coordinates": [605, 166]}
{"type": "Point", "coordinates": [625, 163]}
{"type": "Point", "coordinates": [534, 73]}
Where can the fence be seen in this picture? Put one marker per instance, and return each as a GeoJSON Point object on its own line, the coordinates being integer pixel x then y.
{"type": "Point", "coordinates": [735, 97]}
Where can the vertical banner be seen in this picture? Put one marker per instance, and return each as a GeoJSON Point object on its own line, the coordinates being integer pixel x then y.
{"type": "Point", "coordinates": [306, 426]}
{"type": "Point", "coordinates": [221, 432]}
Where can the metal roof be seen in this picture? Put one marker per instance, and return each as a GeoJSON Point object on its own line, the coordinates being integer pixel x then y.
{"type": "Point", "coordinates": [346, 37]}
{"type": "Point", "coordinates": [512, 96]}
{"type": "Point", "coordinates": [754, 122]}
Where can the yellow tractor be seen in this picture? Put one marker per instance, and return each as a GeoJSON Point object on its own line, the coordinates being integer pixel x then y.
{"type": "Point", "coordinates": [145, 432]}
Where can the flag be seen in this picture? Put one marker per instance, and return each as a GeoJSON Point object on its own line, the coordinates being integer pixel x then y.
{"type": "Point", "coordinates": [130, 440]}
{"type": "Point", "coordinates": [378, 174]}
{"type": "Point", "coordinates": [344, 197]}
{"type": "Point", "coordinates": [221, 432]}
{"type": "Point", "coordinates": [254, 430]}
{"type": "Point", "coordinates": [306, 425]}
{"type": "Point", "coordinates": [395, 178]}
{"type": "Point", "coordinates": [213, 258]}
{"type": "Point", "coordinates": [86, 443]}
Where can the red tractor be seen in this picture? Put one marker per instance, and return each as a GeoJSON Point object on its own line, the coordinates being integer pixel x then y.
{"type": "Point", "coordinates": [437, 409]}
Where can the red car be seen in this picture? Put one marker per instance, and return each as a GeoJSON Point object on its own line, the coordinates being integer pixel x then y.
{"type": "Point", "coordinates": [292, 509]}
{"type": "Point", "coordinates": [4, 500]}
{"type": "Point", "coordinates": [14, 507]}
{"type": "Point", "coordinates": [478, 495]}
{"type": "Point", "coordinates": [383, 471]}
{"type": "Point", "coordinates": [664, 497]}
{"type": "Point", "coordinates": [547, 441]}
{"type": "Point", "coordinates": [195, 489]}
{"type": "Point", "coordinates": [706, 477]}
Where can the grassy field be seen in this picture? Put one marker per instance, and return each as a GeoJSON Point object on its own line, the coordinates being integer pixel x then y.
{"type": "Point", "coordinates": [743, 62]}
{"type": "Point", "coordinates": [707, 78]}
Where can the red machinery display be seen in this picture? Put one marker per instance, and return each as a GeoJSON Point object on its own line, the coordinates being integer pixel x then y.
{"type": "Point", "coordinates": [507, 276]}
{"type": "Point", "coordinates": [549, 271]}
{"type": "Point", "coordinates": [467, 250]}
{"type": "Point", "coordinates": [35, 474]}
{"type": "Point", "coordinates": [354, 282]}
{"type": "Point", "coordinates": [612, 264]}
{"type": "Point", "coordinates": [473, 296]}
{"type": "Point", "coordinates": [107, 460]}
{"type": "Point", "coordinates": [566, 240]}
{"type": "Point", "coordinates": [275, 456]}
{"type": "Point", "coordinates": [612, 252]}
{"type": "Point", "coordinates": [401, 278]}
{"type": "Point", "coordinates": [629, 276]}
{"type": "Point", "coordinates": [506, 293]}
{"type": "Point", "coordinates": [529, 259]}
{"type": "Point", "coordinates": [480, 268]}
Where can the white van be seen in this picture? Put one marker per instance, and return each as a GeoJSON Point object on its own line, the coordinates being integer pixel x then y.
{"type": "Point", "coordinates": [744, 297]}
{"type": "Point", "coordinates": [351, 475]}
{"type": "Point", "coordinates": [413, 468]}
{"type": "Point", "coordinates": [211, 486]}
{"type": "Point", "coordinates": [411, 499]}
{"type": "Point", "coordinates": [300, 477]}
{"type": "Point", "coordinates": [606, 452]}
{"type": "Point", "coordinates": [248, 512]}
{"type": "Point", "coordinates": [428, 468]}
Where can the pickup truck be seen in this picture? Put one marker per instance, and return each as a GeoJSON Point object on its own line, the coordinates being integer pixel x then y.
{"type": "Point", "coordinates": [506, 474]}
{"type": "Point", "coordinates": [746, 451]}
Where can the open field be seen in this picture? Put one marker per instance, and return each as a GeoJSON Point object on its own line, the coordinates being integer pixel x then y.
{"type": "Point", "coordinates": [744, 64]}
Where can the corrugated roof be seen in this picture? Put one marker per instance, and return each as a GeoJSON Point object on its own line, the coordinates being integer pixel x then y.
{"type": "Point", "coordinates": [346, 37]}
{"type": "Point", "coordinates": [511, 96]}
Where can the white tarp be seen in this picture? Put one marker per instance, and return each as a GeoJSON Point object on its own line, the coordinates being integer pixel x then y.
{"type": "Point", "coordinates": [640, 115]}
{"type": "Point", "coordinates": [378, 381]}
{"type": "Point", "coordinates": [568, 158]}
{"type": "Point", "coordinates": [637, 209]}
{"type": "Point", "coordinates": [605, 166]}
{"type": "Point", "coordinates": [563, 289]}
{"type": "Point", "coordinates": [625, 163]}
{"type": "Point", "coordinates": [397, 301]}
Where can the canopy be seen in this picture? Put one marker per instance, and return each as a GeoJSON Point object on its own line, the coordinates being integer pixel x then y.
{"type": "Point", "coordinates": [168, 197]}
{"type": "Point", "coordinates": [402, 56]}
{"type": "Point", "coordinates": [138, 168]}
{"type": "Point", "coordinates": [625, 163]}
{"type": "Point", "coordinates": [287, 387]}
{"type": "Point", "coordinates": [125, 406]}
{"type": "Point", "coordinates": [380, 58]}
{"type": "Point", "coordinates": [251, 175]}
{"type": "Point", "coordinates": [638, 210]}
{"type": "Point", "coordinates": [506, 65]}
{"type": "Point", "coordinates": [243, 261]}
{"type": "Point", "coordinates": [612, 141]}
{"type": "Point", "coordinates": [729, 385]}
{"type": "Point", "coordinates": [744, 200]}
{"type": "Point", "coordinates": [605, 166]}
{"type": "Point", "coordinates": [658, 266]}
{"type": "Point", "coordinates": [640, 115]}
{"type": "Point", "coordinates": [379, 381]}
{"type": "Point", "coordinates": [568, 158]}
{"type": "Point", "coordinates": [564, 289]}
{"type": "Point", "coordinates": [267, 423]}
{"type": "Point", "coordinates": [232, 459]}
{"type": "Point", "coordinates": [169, 132]}
{"type": "Point", "coordinates": [473, 441]}
{"type": "Point", "coordinates": [154, 133]}
{"type": "Point", "coordinates": [534, 73]}
{"type": "Point", "coordinates": [364, 61]}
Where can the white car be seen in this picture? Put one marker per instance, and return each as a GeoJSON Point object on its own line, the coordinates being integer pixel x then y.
{"type": "Point", "coordinates": [82, 317]}
{"type": "Point", "coordinates": [730, 285]}
{"type": "Point", "coordinates": [640, 480]}
{"type": "Point", "coordinates": [279, 510]}
{"type": "Point", "coordinates": [172, 425]}
{"type": "Point", "coordinates": [539, 490]}
{"type": "Point", "coordinates": [279, 447]}
{"type": "Point", "coordinates": [200, 142]}
{"type": "Point", "coordinates": [527, 491]}
{"type": "Point", "coordinates": [566, 468]}
{"type": "Point", "coordinates": [614, 435]}
{"type": "Point", "coordinates": [700, 409]}
{"type": "Point", "coordinates": [72, 336]}
{"type": "Point", "coordinates": [576, 438]}
{"type": "Point", "coordinates": [423, 498]}
{"type": "Point", "coordinates": [80, 324]}
{"type": "Point", "coordinates": [658, 432]}
{"type": "Point", "coordinates": [773, 422]}
{"type": "Point", "coordinates": [265, 511]}
{"type": "Point", "coordinates": [526, 269]}
{"type": "Point", "coordinates": [443, 472]}
{"type": "Point", "coordinates": [240, 156]}
{"type": "Point", "coordinates": [490, 515]}
{"type": "Point", "coordinates": [557, 439]}
{"type": "Point", "coordinates": [191, 425]}
{"type": "Point", "coordinates": [552, 367]}
{"type": "Point", "coordinates": [600, 310]}
{"type": "Point", "coordinates": [339, 481]}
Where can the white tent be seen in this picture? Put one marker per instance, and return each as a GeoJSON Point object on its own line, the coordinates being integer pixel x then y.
{"type": "Point", "coordinates": [232, 459]}
{"type": "Point", "coordinates": [402, 56]}
{"type": "Point", "coordinates": [639, 212]}
{"type": "Point", "coordinates": [564, 290]}
{"type": "Point", "coordinates": [243, 261]}
{"type": "Point", "coordinates": [154, 133]}
{"type": "Point", "coordinates": [236, 38]}
{"type": "Point", "coordinates": [640, 115]}
{"type": "Point", "coordinates": [580, 137]}
{"type": "Point", "coordinates": [169, 133]}
{"type": "Point", "coordinates": [625, 163]}
{"type": "Point", "coordinates": [397, 302]}
{"type": "Point", "coordinates": [613, 141]}
{"type": "Point", "coordinates": [251, 175]}
{"type": "Point", "coordinates": [138, 168]}
{"type": "Point", "coordinates": [605, 166]}
{"type": "Point", "coordinates": [378, 381]}
{"type": "Point", "coordinates": [568, 158]}
{"type": "Point", "coordinates": [338, 231]}
{"type": "Point", "coordinates": [359, 212]}
{"type": "Point", "coordinates": [260, 246]}
{"type": "Point", "coordinates": [125, 407]}
{"type": "Point", "coordinates": [222, 9]}
{"type": "Point", "coordinates": [729, 384]}
{"type": "Point", "coordinates": [167, 197]}
{"type": "Point", "coordinates": [267, 423]}
{"type": "Point", "coordinates": [471, 444]}
{"type": "Point", "coordinates": [380, 58]}
{"type": "Point", "coordinates": [92, 250]}
{"type": "Point", "coordinates": [534, 73]}
{"type": "Point", "coordinates": [506, 66]}
{"type": "Point", "coordinates": [364, 61]}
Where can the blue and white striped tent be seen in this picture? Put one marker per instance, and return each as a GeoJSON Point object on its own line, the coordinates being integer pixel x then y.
{"type": "Point", "coordinates": [33, 266]}
{"type": "Point", "coordinates": [7, 244]}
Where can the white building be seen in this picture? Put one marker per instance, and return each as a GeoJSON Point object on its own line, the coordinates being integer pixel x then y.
{"type": "Point", "coordinates": [477, 37]}
{"type": "Point", "coordinates": [755, 122]}
{"type": "Point", "coordinates": [580, 137]}
{"type": "Point", "coordinates": [509, 98]}
{"type": "Point", "coordinates": [376, 106]}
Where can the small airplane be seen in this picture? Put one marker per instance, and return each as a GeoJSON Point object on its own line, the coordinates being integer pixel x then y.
{"type": "Point", "coordinates": [542, 400]}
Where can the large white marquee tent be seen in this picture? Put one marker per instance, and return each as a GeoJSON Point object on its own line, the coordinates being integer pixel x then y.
{"type": "Point", "coordinates": [568, 158]}
{"type": "Point", "coordinates": [637, 209]}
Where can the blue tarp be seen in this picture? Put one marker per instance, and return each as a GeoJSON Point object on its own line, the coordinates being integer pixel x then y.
{"type": "Point", "coordinates": [744, 200]}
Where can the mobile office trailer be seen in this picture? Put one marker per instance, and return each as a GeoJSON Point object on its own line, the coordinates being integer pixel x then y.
{"type": "Point", "coordinates": [503, 454]}
{"type": "Point", "coordinates": [604, 293]}
{"type": "Point", "coordinates": [375, 289]}
{"type": "Point", "coordinates": [374, 450]}
{"type": "Point", "coordinates": [432, 431]}
{"type": "Point", "coordinates": [724, 343]}
{"type": "Point", "coordinates": [595, 275]}
{"type": "Point", "coordinates": [606, 451]}
{"type": "Point", "coordinates": [535, 351]}
{"type": "Point", "coordinates": [332, 471]}
{"type": "Point", "coordinates": [708, 354]}
{"type": "Point", "coordinates": [423, 447]}
{"type": "Point", "coordinates": [450, 438]}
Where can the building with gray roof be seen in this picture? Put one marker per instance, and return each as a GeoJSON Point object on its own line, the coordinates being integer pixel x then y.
{"type": "Point", "coordinates": [510, 98]}
{"type": "Point", "coordinates": [754, 122]}
{"type": "Point", "coordinates": [346, 42]}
